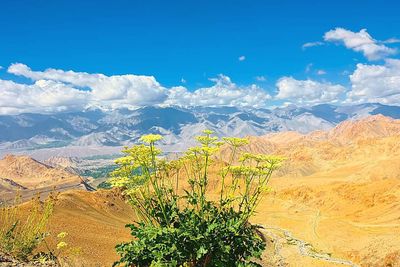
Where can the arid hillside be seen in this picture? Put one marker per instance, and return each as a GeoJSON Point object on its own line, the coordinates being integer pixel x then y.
{"type": "Point", "coordinates": [95, 222]}
{"type": "Point", "coordinates": [33, 174]}
{"type": "Point", "coordinates": [334, 202]}
{"type": "Point", "coordinates": [28, 176]}
{"type": "Point", "coordinates": [338, 190]}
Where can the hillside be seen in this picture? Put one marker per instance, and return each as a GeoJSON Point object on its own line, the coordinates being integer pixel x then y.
{"type": "Point", "coordinates": [95, 223]}
{"type": "Point", "coordinates": [28, 177]}
{"type": "Point", "coordinates": [33, 174]}
{"type": "Point", "coordinates": [338, 191]}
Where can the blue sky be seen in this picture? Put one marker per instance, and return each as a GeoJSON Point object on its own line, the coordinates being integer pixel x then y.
{"type": "Point", "coordinates": [185, 43]}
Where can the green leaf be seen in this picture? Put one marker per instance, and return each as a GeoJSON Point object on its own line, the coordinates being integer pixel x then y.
{"type": "Point", "coordinates": [201, 252]}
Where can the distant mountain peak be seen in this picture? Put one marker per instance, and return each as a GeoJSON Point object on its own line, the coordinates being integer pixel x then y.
{"type": "Point", "coordinates": [100, 128]}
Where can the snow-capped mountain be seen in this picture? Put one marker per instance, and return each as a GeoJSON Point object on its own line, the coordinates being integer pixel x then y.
{"type": "Point", "coordinates": [178, 125]}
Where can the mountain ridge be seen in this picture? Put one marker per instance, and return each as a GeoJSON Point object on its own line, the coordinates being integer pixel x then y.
{"type": "Point", "coordinates": [178, 125]}
{"type": "Point", "coordinates": [28, 173]}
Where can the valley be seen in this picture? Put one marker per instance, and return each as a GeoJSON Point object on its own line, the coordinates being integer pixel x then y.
{"type": "Point", "coordinates": [199, 133]}
{"type": "Point", "coordinates": [334, 202]}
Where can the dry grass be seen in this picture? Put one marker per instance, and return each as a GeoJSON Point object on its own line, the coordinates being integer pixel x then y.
{"type": "Point", "coordinates": [21, 232]}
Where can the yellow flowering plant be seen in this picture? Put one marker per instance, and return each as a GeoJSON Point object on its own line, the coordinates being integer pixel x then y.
{"type": "Point", "coordinates": [20, 234]}
{"type": "Point", "coordinates": [181, 219]}
{"type": "Point", "coordinates": [61, 252]}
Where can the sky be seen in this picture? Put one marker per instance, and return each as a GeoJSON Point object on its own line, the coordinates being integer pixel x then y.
{"type": "Point", "coordinates": [69, 55]}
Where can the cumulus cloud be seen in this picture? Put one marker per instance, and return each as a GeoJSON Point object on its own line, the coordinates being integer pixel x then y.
{"type": "Point", "coordinates": [305, 92]}
{"type": "Point", "coordinates": [321, 72]}
{"type": "Point", "coordinates": [56, 90]}
{"type": "Point", "coordinates": [360, 41]}
{"type": "Point", "coordinates": [42, 96]}
{"type": "Point", "coordinates": [242, 58]}
{"type": "Point", "coordinates": [223, 93]}
{"type": "Point", "coordinates": [376, 83]}
{"type": "Point", "coordinates": [122, 89]}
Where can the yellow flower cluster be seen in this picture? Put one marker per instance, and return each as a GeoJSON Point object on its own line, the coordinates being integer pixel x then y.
{"type": "Point", "coordinates": [206, 140]}
{"type": "Point", "coordinates": [203, 150]}
{"type": "Point", "coordinates": [119, 182]}
{"type": "Point", "coordinates": [208, 132]}
{"type": "Point", "coordinates": [150, 138]}
{"type": "Point", "coordinates": [235, 141]}
{"type": "Point", "coordinates": [62, 245]}
{"type": "Point", "coordinates": [62, 235]}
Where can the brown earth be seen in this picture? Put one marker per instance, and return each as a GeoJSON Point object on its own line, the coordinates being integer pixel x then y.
{"type": "Point", "coordinates": [338, 191]}
{"type": "Point", "coordinates": [32, 174]}
{"type": "Point", "coordinates": [95, 222]}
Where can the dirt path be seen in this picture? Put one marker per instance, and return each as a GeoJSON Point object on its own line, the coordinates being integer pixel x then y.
{"type": "Point", "coordinates": [283, 237]}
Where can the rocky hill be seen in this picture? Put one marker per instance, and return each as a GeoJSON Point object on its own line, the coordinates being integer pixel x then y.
{"type": "Point", "coordinates": [28, 177]}
{"type": "Point", "coordinates": [33, 174]}
{"type": "Point", "coordinates": [339, 189]}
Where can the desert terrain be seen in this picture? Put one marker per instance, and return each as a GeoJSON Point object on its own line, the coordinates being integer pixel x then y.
{"type": "Point", "coordinates": [334, 202]}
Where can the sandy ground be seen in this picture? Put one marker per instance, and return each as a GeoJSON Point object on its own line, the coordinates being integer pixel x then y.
{"type": "Point", "coordinates": [337, 217]}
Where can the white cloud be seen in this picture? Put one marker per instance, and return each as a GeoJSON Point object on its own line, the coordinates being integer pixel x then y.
{"type": "Point", "coordinates": [183, 80]}
{"type": "Point", "coordinates": [306, 92]}
{"type": "Point", "coordinates": [121, 89]}
{"type": "Point", "coordinates": [360, 42]}
{"type": "Point", "coordinates": [223, 93]}
{"type": "Point", "coordinates": [1, 67]}
{"type": "Point", "coordinates": [311, 44]}
{"type": "Point", "coordinates": [260, 78]}
{"type": "Point", "coordinates": [321, 72]}
{"type": "Point", "coordinates": [391, 41]}
{"type": "Point", "coordinates": [58, 90]}
{"type": "Point", "coordinates": [242, 58]}
{"type": "Point", "coordinates": [376, 83]}
{"type": "Point", "coordinates": [42, 96]}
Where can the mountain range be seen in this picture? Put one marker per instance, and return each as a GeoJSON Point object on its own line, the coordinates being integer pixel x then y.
{"type": "Point", "coordinates": [94, 128]}
{"type": "Point", "coordinates": [338, 191]}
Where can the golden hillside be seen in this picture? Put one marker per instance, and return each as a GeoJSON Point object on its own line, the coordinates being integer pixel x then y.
{"type": "Point", "coordinates": [335, 201]}
{"type": "Point", "coordinates": [32, 174]}
{"type": "Point", "coordinates": [339, 190]}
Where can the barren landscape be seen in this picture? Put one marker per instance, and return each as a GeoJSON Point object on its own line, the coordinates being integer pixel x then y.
{"type": "Point", "coordinates": [207, 133]}
{"type": "Point", "coordinates": [334, 202]}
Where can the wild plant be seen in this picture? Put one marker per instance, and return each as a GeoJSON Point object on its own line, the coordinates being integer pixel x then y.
{"type": "Point", "coordinates": [181, 219]}
{"type": "Point", "coordinates": [62, 253]}
{"type": "Point", "coordinates": [20, 234]}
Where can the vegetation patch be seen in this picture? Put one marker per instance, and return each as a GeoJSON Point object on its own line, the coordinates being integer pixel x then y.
{"type": "Point", "coordinates": [19, 235]}
{"type": "Point", "coordinates": [183, 220]}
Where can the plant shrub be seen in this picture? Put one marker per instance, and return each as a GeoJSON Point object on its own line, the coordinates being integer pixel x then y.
{"type": "Point", "coordinates": [181, 220]}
